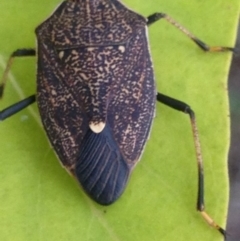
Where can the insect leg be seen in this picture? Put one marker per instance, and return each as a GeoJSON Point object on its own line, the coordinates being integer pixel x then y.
{"type": "Point", "coordinates": [181, 106]}
{"type": "Point", "coordinates": [15, 108]}
{"type": "Point", "coordinates": [157, 16]}
{"type": "Point", "coordinates": [16, 53]}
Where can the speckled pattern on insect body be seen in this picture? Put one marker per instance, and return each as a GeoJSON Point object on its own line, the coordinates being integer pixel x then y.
{"type": "Point", "coordinates": [95, 76]}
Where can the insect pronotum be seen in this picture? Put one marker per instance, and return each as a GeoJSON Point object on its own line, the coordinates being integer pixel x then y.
{"type": "Point", "coordinates": [96, 93]}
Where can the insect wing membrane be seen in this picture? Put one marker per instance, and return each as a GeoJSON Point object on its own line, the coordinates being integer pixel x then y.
{"type": "Point", "coordinates": [94, 70]}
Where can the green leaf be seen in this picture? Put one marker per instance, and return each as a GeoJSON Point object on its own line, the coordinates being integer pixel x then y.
{"type": "Point", "coordinates": [40, 201]}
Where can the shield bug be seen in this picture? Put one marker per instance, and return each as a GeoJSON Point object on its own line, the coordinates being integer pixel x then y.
{"type": "Point", "coordinates": [96, 93]}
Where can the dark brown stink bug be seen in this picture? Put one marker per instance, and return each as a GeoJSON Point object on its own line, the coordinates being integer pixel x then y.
{"type": "Point", "coordinates": [96, 93]}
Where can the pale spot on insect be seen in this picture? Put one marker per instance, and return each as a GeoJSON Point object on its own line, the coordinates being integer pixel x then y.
{"type": "Point", "coordinates": [97, 127]}
{"type": "Point", "coordinates": [125, 91]}
{"type": "Point", "coordinates": [66, 40]}
{"type": "Point", "coordinates": [126, 132]}
{"type": "Point", "coordinates": [53, 92]}
{"type": "Point", "coordinates": [61, 54]}
{"type": "Point", "coordinates": [90, 48]}
{"type": "Point", "coordinates": [84, 76]}
{"type": "Point", "coordinates": [121, 49]}
{"type": "Point", "coordinates": [112, 66]}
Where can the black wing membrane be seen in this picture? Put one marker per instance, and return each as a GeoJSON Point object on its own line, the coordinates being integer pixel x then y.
{"type": "Point", "coordinates": [101, 168]}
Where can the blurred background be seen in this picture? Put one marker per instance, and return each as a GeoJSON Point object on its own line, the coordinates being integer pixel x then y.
{"type": "Point", "coordinates": [233, 223]}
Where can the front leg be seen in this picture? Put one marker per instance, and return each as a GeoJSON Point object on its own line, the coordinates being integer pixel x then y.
{"type": "Point", "coordinates": [157, 16]}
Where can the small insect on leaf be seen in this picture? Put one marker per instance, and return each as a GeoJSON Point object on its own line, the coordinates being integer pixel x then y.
{"type": "Point", "coordinates": [96, 93]}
